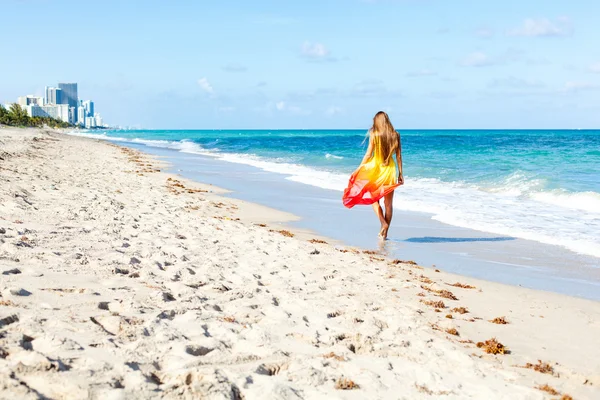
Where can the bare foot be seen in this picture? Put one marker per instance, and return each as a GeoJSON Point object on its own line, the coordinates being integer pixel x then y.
{"type": "Point", "coordinates": [383, 232]}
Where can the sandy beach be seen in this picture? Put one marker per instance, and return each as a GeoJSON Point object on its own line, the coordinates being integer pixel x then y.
{"type": "Point", "coordinates": [120, 281]}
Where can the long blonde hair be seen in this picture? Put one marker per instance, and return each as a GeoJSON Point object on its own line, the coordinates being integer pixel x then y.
{"type": "Point", "coordinates": [385, 138]}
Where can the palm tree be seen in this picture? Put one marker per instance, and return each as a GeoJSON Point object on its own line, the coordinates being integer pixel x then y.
{"type": "Point", "coordinates": [4, 116]}
{"type": "Point", "coordinates": [18, 115]}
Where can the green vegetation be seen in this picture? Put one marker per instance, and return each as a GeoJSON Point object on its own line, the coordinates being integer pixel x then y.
{"type": "Point", "coordinates": [17, 116]}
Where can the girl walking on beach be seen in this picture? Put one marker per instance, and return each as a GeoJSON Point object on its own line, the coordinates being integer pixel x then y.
{"type": "Point", "coordinates": [377, 177]}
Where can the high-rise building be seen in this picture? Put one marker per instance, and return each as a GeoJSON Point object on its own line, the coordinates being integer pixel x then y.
{"type": "Point", "coordinates": [56, 111]}
{"type": "Point", "coordinates": [69, 96]}
{"type": "Point", "coordinates": [89, 108]}
{"type": "Point", "coordinates": [98, 119]}
{"type": "Point", "coordinates": [72, 115]}
{"type": "Point", "coordinates": [90, 122]}
{"type": "Point", "coordinates": [81, 114]}
{"type": "Point", "coordinates": [30, 101]}
{"type": "Point", "coordinates": [53, 95]}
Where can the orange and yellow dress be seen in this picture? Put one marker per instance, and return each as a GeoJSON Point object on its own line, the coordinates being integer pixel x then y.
{"type": "Point", "coordinates": [372, 180]}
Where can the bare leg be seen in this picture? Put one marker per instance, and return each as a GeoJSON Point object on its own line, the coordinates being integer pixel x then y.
{"type": "Point", "coordinates": [388, 202]}
{"type": "Point", "coordinates": [382, 220]}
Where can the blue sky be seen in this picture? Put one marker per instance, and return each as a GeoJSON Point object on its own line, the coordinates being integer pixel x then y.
{"type": "Point", "coordinates": [312, 64]}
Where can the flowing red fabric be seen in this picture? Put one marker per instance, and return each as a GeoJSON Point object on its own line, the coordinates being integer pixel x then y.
{"type": "Point", "coordinates": [368, 184]}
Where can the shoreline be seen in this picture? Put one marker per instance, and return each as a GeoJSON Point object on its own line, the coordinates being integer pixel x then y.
{"type": "Point", "coordinates": [508, 204]}
{"type": "Point", "coordinates": [156, 290]}
{"type": "Point", "coordinates": [466, 252]}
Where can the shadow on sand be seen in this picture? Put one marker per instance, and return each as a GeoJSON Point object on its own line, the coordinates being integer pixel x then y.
{"type": "Point", "coordinates": [434, 239]}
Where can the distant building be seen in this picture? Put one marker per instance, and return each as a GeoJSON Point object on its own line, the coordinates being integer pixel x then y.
{"type": "Point", "coordinates": [89, 108]}
{"type": "Point", "coordinates": [72, 114]}
{"type": "Point", "coordinates": [69, 96]}
{"type": "Point", "coordinates": [56, 111]}
{"type": "Point", "coordinates": [30, 101]}
{"type": "Point", "coordinates": [34, 111]}
{"type": "Point", "coordinates": [53, 95]}
{"type": "Point", "coordinates": [61, 103]}
{"type": "Point", "coordinates": [81, 115]}
{"type": "Point", "coordinates": [62, 112]}
{"type": "Point", "coordinates": [90, 122]}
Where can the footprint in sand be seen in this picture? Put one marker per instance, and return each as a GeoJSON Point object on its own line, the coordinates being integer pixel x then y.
{"type": "Point", "coordinates": [197, 351]}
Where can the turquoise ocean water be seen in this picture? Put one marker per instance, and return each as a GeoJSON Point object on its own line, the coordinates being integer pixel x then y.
{"type": "Point", "coordinates": [541, 185]}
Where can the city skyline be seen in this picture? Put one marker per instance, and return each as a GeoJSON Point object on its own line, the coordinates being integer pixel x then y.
{"type": "Point", "coordinates": [327, 64]}
{"type": "Point", "coordinates": [61, 103]}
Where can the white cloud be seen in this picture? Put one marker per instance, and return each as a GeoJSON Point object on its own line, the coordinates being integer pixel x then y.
{"type": "Point", "coordinates": [234, 68]}
{"type": "Point", "coordinates": [519, 87]}
{"type": "Point", "coordinates": [420, 73]}
{"type": "Point", "coordinates": [575, 86]}
{"type": "Point", "coordinates": [442, 95]}
{"type": "Point", "coordinates": [226, 109]}
{"type": "Point", "coordinates": [373, 88]}
{"type": "Point", "coordinates": [304, 96]}
{"type": "Point", "coordinates": [513, 82]}
{"type": "Point", "coordinates": [543, 27]}
{"type": "Point", "coordinates": [205, 85]}
{"type": "Point", "coordinates": [315, 51]}
{"type": "Point", "coordinates": [484, 32]}
{"type": "Point", "coordinates": [327, 91]}
{"type": "Point", "coordinates": [283, 107]}
{"type": "Point", "coordinates": [478, 59]}
{"type": "Point", "coordinates": [301, 96]}
{"type": "Point", "coordinates": [297, 110]}
{"type": "Point", "coordinates": [595, 68]}
{"type": "Point", "coordinates": [481, 59]}
{"type": "Point", "coordinates": [334, 110]}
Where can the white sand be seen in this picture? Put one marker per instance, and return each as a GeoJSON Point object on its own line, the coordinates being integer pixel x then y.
{"type": "Point", "coordinates": [116, 284]}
